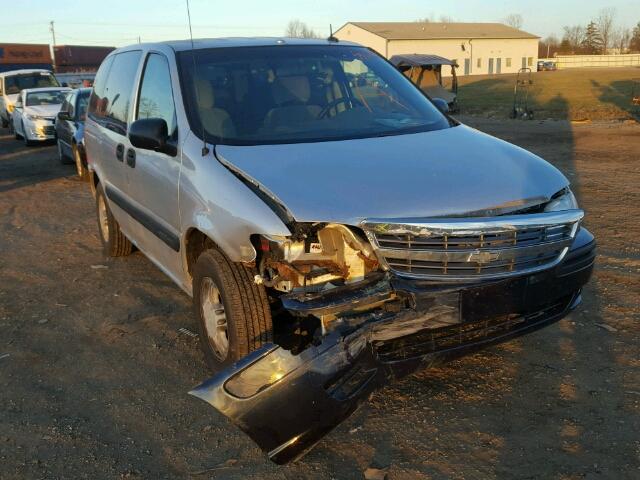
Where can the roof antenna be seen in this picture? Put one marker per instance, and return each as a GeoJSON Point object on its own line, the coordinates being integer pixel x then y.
{"type": "Point", "coordinates": [205, 149]}
{"type": "Point", "coordinates": [331, 37]}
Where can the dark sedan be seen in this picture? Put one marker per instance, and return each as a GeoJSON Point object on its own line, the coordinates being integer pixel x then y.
{"type": "Point", "coordinates": [70, 130]}
{"type": "Point", "coordinates": [547, 66]}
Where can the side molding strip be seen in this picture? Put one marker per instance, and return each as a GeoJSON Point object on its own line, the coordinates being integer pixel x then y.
{"type": "Point", "coordinates": [146, 220]}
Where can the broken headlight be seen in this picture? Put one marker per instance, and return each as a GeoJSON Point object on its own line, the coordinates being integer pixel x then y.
{"type": "Point", "coordinates": [315, 257]}
{"type": "Point", "coordinates": [563, 200]}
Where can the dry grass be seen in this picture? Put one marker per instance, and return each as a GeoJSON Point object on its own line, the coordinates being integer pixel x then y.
{"type": "Point", "coordinates": [577, 94]}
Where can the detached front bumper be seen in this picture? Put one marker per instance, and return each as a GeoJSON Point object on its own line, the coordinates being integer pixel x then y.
{"type": "Point", "coordinates": [286, 403]}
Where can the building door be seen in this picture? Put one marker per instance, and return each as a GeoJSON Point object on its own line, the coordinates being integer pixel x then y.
{"type": "Point", "coordinates": [490, 66]}
{"type": "Point", "coordinates": [498, 65]}
{"type": "Point", "coordinates": [524, 62]}
{"type": "Point", "coordinates": [467, 66]}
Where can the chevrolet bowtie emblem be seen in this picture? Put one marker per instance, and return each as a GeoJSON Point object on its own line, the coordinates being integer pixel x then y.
{"type": "Point", "coordinates": [483, 257]}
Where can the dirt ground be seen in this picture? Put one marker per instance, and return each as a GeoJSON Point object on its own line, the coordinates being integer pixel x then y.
{"type": "Point", "coordinates": [94, 372]}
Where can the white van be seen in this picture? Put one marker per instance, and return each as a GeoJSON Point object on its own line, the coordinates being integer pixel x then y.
{"type": "Point", "coordinates": [13, 81]}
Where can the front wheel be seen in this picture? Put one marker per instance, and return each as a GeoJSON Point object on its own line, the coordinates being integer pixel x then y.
{"type": "Point", "coordinates": [233, 313]}
{"type": "Point", "coordinates": [114, 242]}
{"type": "Point", "coordinates": [81, 168]}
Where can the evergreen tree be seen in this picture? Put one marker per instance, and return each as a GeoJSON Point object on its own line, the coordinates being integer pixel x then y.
{"type": "Point", "coordinates": [592, 42]}
{"type": "Point", "coordinates": [634, 43]}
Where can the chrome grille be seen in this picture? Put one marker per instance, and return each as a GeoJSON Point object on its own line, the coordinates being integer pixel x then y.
{"type": "Point", "coordinates": [468, 248]}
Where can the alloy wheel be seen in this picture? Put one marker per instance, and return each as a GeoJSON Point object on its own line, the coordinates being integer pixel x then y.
{"type": "Point", "coordinates": [215, 318]}
{"type": "Point", "coordinates": [103, 219]}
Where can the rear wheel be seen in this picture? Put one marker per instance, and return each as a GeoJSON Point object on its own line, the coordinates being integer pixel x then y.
{"type": "Point", "coordinates": [233, 312]}
{"type": "Point", "coordinates": [114, 242]}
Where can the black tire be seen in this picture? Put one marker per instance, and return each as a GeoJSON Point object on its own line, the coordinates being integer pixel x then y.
{"type": "Point", "coordinates": [5, 123]}
{"type": "Point", "coordinates": [81, 167]}
{"type": "Point", "coordinates": [114, 242]}
{"type": "Point", "coordinates": [246, 308]}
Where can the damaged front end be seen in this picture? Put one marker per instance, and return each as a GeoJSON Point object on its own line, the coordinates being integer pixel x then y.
{"type": "Point", "coordinates": [386, 300]}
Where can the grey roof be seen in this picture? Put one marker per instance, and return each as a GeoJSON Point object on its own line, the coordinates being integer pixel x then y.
{"type": "Point", "coordinates": [47, 89]}
{"type": "Point", "coordinates": [418, 60]}
{"type": "Point", "coordinates": [23, 71]}
{"type": "Point", "coordinates": [432, 30]}
{"type": "Point", "coordinates": [181, 45]}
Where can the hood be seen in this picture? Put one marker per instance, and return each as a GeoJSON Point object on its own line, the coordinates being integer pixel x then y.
{"type": "Point", "coordinates": [44, 110]}
{"type": "Point", "coordinates": [450, 172]}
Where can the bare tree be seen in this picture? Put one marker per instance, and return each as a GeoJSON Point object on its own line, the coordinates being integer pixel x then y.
{"type": "Point", "coordinates": [548, 46]}
{"type": "Point", "coordinates": [620, 39]}
{"type": "Point", "coordinates": [573, 37]}
{"type": "Point", "coordinates": [604, 21]}
{"type": "Point", "coordinates": [514, 20]}
{"type": "Point", "coordinates": [432, 19]}
{"type": "Point", "coordinates": [298, 29]}
{"type": "Point", "coordinates": [429, 19]}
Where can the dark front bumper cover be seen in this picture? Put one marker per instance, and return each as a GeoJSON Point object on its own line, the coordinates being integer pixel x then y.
{"type": "Point", "coordinates": [286, 403]}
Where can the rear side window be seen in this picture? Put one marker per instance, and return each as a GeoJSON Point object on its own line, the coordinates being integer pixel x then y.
{"type": "Point", "coordinates": [97, 101]}
{"type": "Point", "coordinates": [112, 107]}
{"type": "Point", "coordinates": [156, 94]}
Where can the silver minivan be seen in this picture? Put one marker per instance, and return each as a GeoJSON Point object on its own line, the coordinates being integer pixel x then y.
{"type": "Point", "coordinates": [335, 228]}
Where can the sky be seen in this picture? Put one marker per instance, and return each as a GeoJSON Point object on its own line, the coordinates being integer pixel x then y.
{"type": "Point", "coordinates": [122, 22]}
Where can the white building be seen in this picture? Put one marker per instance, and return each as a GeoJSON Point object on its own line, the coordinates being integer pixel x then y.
{"type": "Point", "coordinates": [478, 48]}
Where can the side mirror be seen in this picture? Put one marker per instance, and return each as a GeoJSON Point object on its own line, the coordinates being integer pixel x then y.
{"type": "Point", "coordinates": [151, 134]}
{"type": "Point", "coordinates": [63, 116]}
{"type": "Point", "coordinates": [442, 105]}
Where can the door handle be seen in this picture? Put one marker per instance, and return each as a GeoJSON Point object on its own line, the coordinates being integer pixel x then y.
{"type": "Point", "coordinates": [131, 158]}
{"type": "Point", "coordinates": [120, 152]}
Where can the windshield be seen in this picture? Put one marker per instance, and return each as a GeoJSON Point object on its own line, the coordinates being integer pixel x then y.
{"type": "Point", "coordinates": [15, 83]}
{"type": "Point", "coordinates": [290, 94]}
{"type": "Point", "coordinates": [51, 97]}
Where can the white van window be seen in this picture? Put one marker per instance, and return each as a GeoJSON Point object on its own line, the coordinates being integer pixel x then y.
{"type": "Point", "coordinates": [156, 94]}
{"type": "Point", "coordinates": [112, 107]}
{"type": "Point", "coordinates": [14, 83]}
